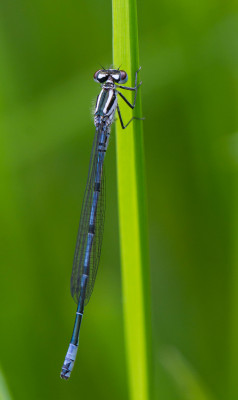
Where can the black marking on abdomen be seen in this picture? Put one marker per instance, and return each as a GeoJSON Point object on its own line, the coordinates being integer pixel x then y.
{"type": "Point", "coordinates": [91, 229]}
{"type": "Point", "coordinates": [97, 187]}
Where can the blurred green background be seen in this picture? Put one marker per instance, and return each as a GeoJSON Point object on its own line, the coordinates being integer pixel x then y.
{"type": "Point", "coordinates": [48, 53]}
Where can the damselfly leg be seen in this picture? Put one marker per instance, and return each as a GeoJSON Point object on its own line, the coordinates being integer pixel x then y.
{"type": "Point", "coordinates": [135, 88]}
{"type": "Point", "coordinates": [120, 118]}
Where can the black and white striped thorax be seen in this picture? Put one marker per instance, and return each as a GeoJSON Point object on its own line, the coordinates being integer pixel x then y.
{"type": "Point", "coordinates": [105, 109]}
{"type": "Point", "coordinates": [106, 106]}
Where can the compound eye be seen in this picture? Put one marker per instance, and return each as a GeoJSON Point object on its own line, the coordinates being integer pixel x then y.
{"type": "Point", "coordinates": [95, 76]}
{"type": "Point", "coordinates": [123, 77]}
{"type": "Point", "coordinates": [100, 76]}
{"type": "Point", "coordinates": [116, 76]}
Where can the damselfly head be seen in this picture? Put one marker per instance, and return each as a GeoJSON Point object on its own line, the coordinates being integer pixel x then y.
{"type": "Point", "coordinates": [102, 75]}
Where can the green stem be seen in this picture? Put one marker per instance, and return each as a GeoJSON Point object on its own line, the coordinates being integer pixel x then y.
{"type": "Point", "coordinates": [132, 209]}
{"type": "Point", "coordinates": [233, 394]}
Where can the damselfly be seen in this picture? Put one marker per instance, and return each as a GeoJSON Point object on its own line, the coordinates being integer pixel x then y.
{"type": "Point", "coordinates": [90, 233]}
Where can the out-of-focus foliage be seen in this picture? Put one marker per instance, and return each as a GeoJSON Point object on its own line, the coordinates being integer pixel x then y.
{"type": "Point", "coordinates": [48, 54]}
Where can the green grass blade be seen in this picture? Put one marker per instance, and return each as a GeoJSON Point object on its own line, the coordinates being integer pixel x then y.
{"type": "Point", "coordinates": [4, 392]}
{"type": "Point", "coordinates": [132, 209]}
{"type": "Point", "coordinates": [233, 343]}
{"type": "Point", "coordinates": [188, 382]}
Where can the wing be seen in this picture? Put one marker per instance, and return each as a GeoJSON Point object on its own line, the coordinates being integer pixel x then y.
{"type": "Point", "coordinates": [81, 243]}
{"type": "Point", "coordinates": [97, 240]}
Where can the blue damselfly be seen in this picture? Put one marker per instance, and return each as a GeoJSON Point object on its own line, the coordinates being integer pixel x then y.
{"type": "Point", "coordinates": [90, 233]}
